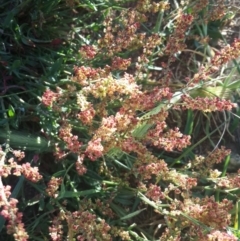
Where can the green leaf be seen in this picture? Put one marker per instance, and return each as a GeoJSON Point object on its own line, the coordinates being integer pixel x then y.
{"type": "Point", "coordinates": [227, 160]}
{"type": "Point", "coordinates": [121, 164]}
{"type": "Point", "coordinates": [157, 68]}
{"type": "Point", "coordinates": [89, 5]}
{"type": "Point", "coordinates": [189, 124]}
{"type": "Point", "coordinates": [18, 187]}
{"type": "Point", "coordinates": [41, 204]}
{"type": "Point", "coordinates": [7, 23]}
{"type": "Point", "coordinates": [25, 141]}
{"type": "Point", "coordinates": [234, 85]}
{"type": "Point", "coordinates": [141, 130]}
{"type": "Point", "coordinates": [16, 65]}
{"type": "Point", "coordinates": [214, 31]}
{"type": "Point", "coordinates": [70, 194]}
{"type": "Point", "coordinates": [237, 213]}
{"type": "Point", "coordinates": [11, 111]}
{"type": "Point", "coordinates": [131, 215]}
{"type": "Point", "coordinates": [118, 210]}
{"type": "Point", "coordinates": [56, 67]}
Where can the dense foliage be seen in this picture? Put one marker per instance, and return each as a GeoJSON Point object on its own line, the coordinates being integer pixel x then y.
{"type": "Point", "coordinates": [114, 120]}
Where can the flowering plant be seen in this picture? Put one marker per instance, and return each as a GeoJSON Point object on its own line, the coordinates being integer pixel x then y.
{"type": "Point", "coordinates": [117, 143]}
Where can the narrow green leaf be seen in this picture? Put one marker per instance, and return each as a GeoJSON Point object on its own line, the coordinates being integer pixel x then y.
{"type": "Point", "coordinates": [118, 210]}
{"type": "Point", "coordinates": [151, 203]}
{"type": "Point", "coordinates": [237, 221]}
{"type": "Point", "coordinates": [56, 66]}
{"type": "Point", "coordinates": [121, 164]}
{"type": "Point", "coordinates": [189, 125]}
{"type": "Point", "coordinates": [18, 187]}
{"type": "Point", "coordinates": [227, 160]}
{"type": "Point", "coordinates": [141, 130]}
{"type": "Point", "coordinates": [151, 67]}
{"type": "Point", "coordinates": [131, 215]}
{"type": "Point", "coordinates": [69, 194]}
{"type": "Point", "coordinates": [11, 111]}
{"type": "Point", "coordinates": [16, 65]}
{"type": "Point", "coordinates": [234, 85]}
{"type": "Point", "coordinates": [89, 5]}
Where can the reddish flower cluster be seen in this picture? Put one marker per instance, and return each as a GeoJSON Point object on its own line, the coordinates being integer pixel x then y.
{"type": "Point", "coordinates": [176, 42]}
{"type": "Point", "coordinates": [199, 6]}
{"type": "Point", "coordinates": [153, 168]}
{"type": "Point", "coordinates": [146, 6]}
{"type": "Point", "coordinates": [111, 88]}
{"type": "Point", "coordinates": [81, 169]}
{"type": "Point", "coordinates": [126, 120]}
{"type": "Point", "coordinates": [210, 13]}
{"type": "Point", "coordinates": [56, 230]}
{"type": "Point", "coordinates": [83, 75]}
{"type": "Point", "coordinates": [206, 104]}
{"type": "Point", "coordinates": [30, 173]}
{"type": "Point", "coordinates": [180, 180]}
{"type": "Point", "coordinates": [18, 154]}
{"type": "Point", "coordinates": [169, 140]}
{"type": "Point", "coordinates": [53, 186]}
{"type": "Point", "coordinates": [5, 170]}
{"type": "Point", "coordinates": [150, 44]}
{"type": "Point", "coordinates": [131, 145]}
{"type": "Point", "coordinates": [154, 192]}
{"type": "Point", "coordinates": [71, 140]}
{"type": "Point", "coordinates": [104, 208]}
{"type": "Point", "coordinates": [211, 220]}
{"type": "Point", "coordinates": [94, 149]}
{"type": "Point", "coordinates": [209, 212]}
{"type": "Point", "coordinates": [9, 205]}
{"type": "Point", "coordinates": [219, 235]}
{"type": "Point", "coordinates": [120, 63]}
{"type": "Point", "coordinates": [14, 218]}
{"type": "Point", "coordinates": [216, 157]}
{"type": "Point", "coordinates": [49, 97]}
{"type": "Point", "coordinates": [82, 225]}
{"type": "Point", "coordinates": [107, 128]}
{"type": "Point", "coordinates": [122, 34]}
{"type": "Point", "coordinates": [230, 181]}
{"type": "Point", "coordinates": [204, 165]}
{"type": "Point", "coordinates": [218, 12]}
{"type": "Point", "coordinates": [86, 116]}
{"type": "Point", "coordinates": [86, 225]}
{"type": "Point", "coordinates": [226, 54]}
{"type": "Point", "coordinates": [145, 101]}
{"type": "Point", "coordinates": [88, 52]}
